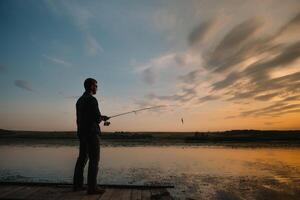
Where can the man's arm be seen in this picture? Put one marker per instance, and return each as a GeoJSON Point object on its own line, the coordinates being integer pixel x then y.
{"type": "Point", "coordinates": [96, 112]}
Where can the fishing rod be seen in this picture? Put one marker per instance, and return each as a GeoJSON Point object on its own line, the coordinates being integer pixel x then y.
{"type": "Point", "coordinates": [107, 123]}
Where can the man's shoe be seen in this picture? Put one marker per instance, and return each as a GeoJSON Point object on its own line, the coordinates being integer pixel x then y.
{"type": "Point", "coordinates": [95, 191]}
{"type": "Point", "coordinates": [79, 188]}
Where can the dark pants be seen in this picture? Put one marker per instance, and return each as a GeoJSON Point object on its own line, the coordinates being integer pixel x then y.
{"type": "Point", "coordinates": [89, 149]}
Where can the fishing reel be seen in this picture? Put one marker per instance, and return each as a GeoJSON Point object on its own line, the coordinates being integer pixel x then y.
{"type": "Point", "coordinates": [106, 123]}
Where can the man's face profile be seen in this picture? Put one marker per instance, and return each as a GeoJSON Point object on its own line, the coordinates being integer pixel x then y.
{"type": "Point", "coordinates": [94, 87]}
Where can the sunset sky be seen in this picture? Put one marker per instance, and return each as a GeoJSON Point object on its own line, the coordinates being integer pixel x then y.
{"type": "Point", "coordinates": [219, 65]}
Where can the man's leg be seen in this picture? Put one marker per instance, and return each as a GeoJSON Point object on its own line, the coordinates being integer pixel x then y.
{"type": "Point", "coordinates": [94, 156]}
{"type": "Point", "coordinates": [80, 164]}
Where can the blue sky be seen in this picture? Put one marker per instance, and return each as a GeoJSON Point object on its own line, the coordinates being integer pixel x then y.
{"type": "Point", "coordinates": [146, 53]}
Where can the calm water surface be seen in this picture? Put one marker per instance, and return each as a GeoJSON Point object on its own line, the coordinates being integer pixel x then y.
{"type": "Point", "coordinates": [208, 172]}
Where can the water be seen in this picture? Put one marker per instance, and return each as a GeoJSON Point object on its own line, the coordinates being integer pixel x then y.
{"type": "Point", "coordinates": [208, 172]}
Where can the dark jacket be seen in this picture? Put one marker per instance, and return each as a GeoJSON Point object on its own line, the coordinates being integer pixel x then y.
{"type": "Point", "coordinates": [88, 115]}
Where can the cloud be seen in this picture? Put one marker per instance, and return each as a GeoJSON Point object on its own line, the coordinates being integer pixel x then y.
{"type": "Point", "coordinates": [266, 97]}
{"type": "Point", "coordinates": [285, 85]}
{"type": "Point", "coordinates": [292, 98]}
{"type": "Point", "coordinates": [240, 67]}
{"type": "Point", "coordinates": [58, 60]}
{"type": "Point", "coordinates": [200, 32]}
{"type": "Point", "coordinates": [254, 81]}
{"type": "Point", "coordinates": [228, 81]}
{"type": "Point", "coordinates": [150, 71]}
{"type": "Point", "coordinates": [287, 112]}
{"type": "Point", "coordinates": [185, 95]}
{"type": "Point", "coordinates": [239, 34]}
{"type": "Point", "coordinates": [271, 123]}
{"type": "Point", "coordinates": [231, 49]}
{"type": "Point", "coordinates": [68, 96]}
{"type": "Point", "coordinates": [273, 110]}
{"type": "Point", "coordinates": [71, 97]}
{"type": "Point", "coordinates": [93, 45]}
{"type": "Point", "coordinates": [148, 75]}
{"type": "Point", "coordinates": [190, 77]}
{"type": "Point", "coordinates": [289, 31]}
{"type": "Point", "coordinates": [286, 56]}
{"type": "Point", "coordinates": [208, 98]}
{"type": "Point", "coordinates": [295, 21]}
{"type": "Point", "coordinates": [81, 15]}
{"type": "Point", "coordinates": [25, 85]}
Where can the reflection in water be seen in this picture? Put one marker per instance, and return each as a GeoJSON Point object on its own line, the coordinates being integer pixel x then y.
{"type": "Point", "coordinates": [207, 172]}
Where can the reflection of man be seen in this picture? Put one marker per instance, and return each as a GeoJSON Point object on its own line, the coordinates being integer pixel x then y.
{"type": "Point", "coordinates": [88, 130]}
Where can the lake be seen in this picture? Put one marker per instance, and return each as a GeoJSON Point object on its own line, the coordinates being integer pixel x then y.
{"type": "Point", "coordinates": [208, 172]}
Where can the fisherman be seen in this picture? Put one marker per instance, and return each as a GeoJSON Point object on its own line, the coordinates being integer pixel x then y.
{"type": "Point", "coordinates": [88, 131]}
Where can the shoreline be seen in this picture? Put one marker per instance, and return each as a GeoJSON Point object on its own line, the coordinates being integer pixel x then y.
{"type": "Point", "coordinates": [145, 143]}
{"type": "Point", "coordinates": [234, 138]}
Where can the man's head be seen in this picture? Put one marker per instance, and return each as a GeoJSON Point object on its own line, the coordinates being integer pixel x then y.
{"type": "Point", "coordinates": [90, 85]}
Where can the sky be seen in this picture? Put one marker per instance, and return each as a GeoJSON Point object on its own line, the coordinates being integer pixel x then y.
{"type": "Point", "coordinates": [216, 64]}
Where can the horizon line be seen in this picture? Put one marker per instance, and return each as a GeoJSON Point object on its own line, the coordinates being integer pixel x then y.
{"type": "Point", "coordinates": [157, 131]}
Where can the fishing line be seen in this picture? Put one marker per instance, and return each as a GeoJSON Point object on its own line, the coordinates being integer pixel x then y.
{"type": "Point", "coordinates": [135, 111]}
{"type": "Point", "coordinates": [107, 123]}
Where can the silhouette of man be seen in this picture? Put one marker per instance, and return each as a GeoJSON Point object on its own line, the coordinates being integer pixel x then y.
{"type": "Point", "coordinates": [88, 131]}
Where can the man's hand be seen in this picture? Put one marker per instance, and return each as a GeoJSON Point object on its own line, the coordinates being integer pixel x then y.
{"type": "Point", "coordinates": [104, 117]}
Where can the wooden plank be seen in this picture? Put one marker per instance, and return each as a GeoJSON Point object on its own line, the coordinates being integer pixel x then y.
{"type": "Point", "coordinates": [168, 196]}
{"type": "Point", "coordinates": [117, 194]}
{"type": "Point", "coordinates": [18, 194]}
{"type": "Point", "coordinates": [146, 194]}
{"type": "Point", "coordinates": [11, 190]}
{"type": "Point", "coordinates": [165, 194]}
{"type": "Point", "coordinates": [126, 194]}
{"type": "Point", "coordinates": [122, 194]}
{"type": "Point", "coordinates": [65, 193]}
{"type": "Point", "coordinates": [47, 193]}
{"type": "Point", "coordinates": [4, 188]}
{"type": "Point", "coordinates": [32, 191]}
{"type": "Point", "coordinates": [155, 192]}
{"type": "Point", "coordinates": [136, 194]}
{"type": "Point", "coordinates": [22, 194]}
{"type": "Point", "coordinates": [93, 197]}
{"type": "Point", "coordinates": [70, 185]}
{"type": "Point", "coordinates": [107, 194]}
{"type": "Point", "coordinates": [69, 194]}
{"type": "Point", "coordinates": [160, 194]}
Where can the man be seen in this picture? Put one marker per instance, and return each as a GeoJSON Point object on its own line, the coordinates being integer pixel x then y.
{"type": "Point", "coordinates": [88, 131]}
